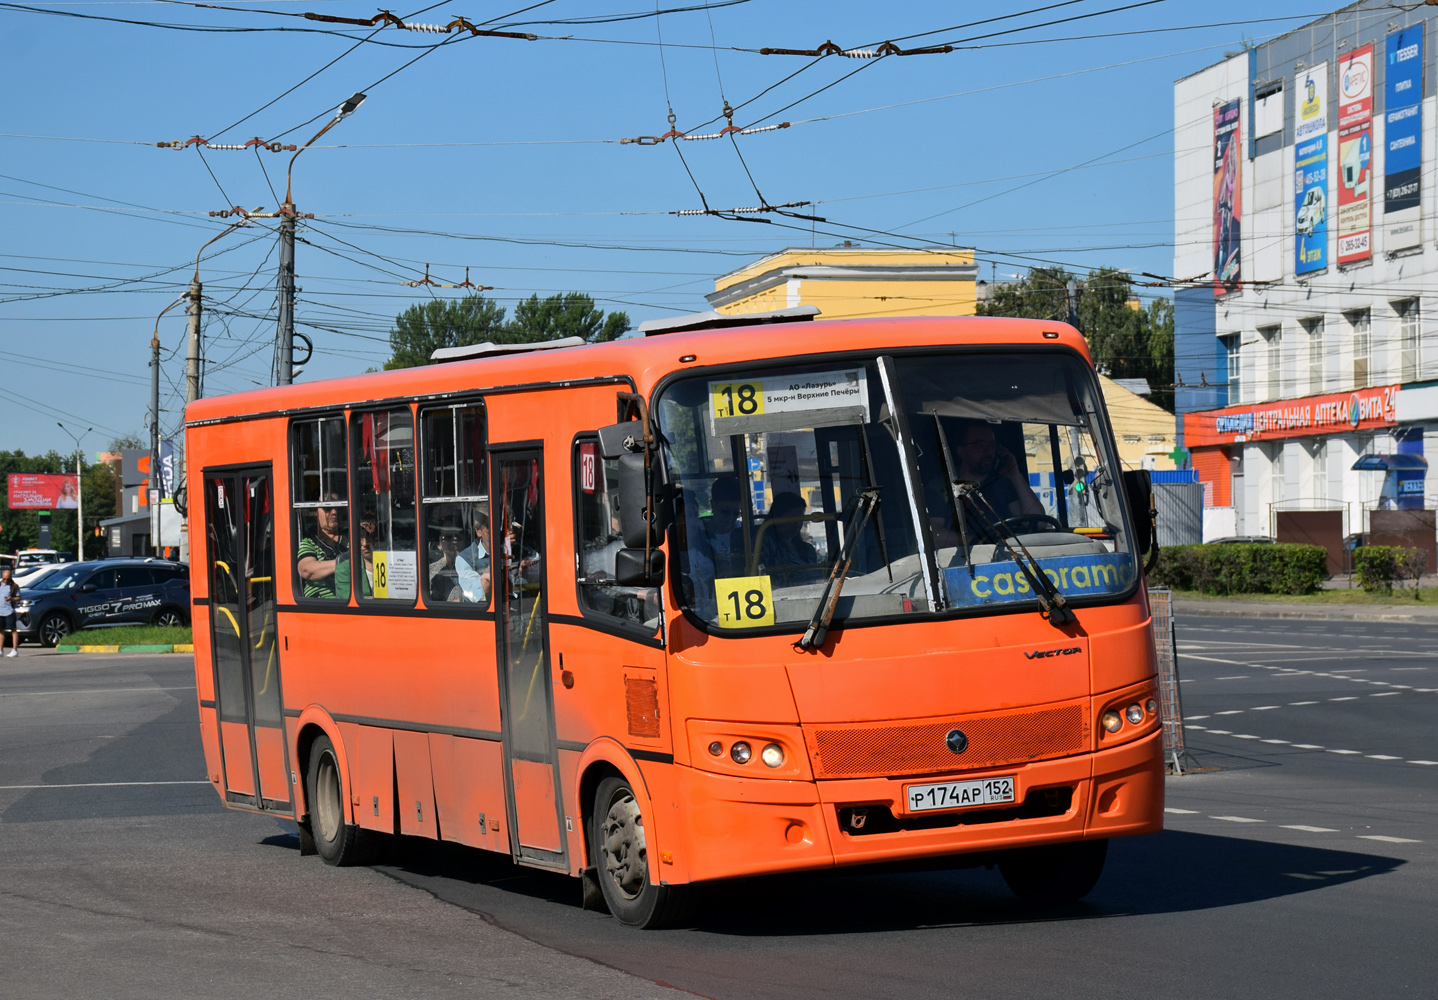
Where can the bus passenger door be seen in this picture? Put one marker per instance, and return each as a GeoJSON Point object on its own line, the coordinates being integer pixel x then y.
{"type": "Point", "coordinates": [522, 638]}
{"type": "Point", "coordinates": [241, 557]}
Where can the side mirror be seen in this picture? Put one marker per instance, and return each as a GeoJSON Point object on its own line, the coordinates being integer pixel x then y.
{"type": "Point", "coordinates": [1138, 484]}
{"type": "Point", "coordinates": [617, 440]}
{"type": "Point", "coordinates": [630, 569]}
{"type": "Point", "coordinates": [637, 522]}
{"type": "Point", "coordinates": [88, 588]}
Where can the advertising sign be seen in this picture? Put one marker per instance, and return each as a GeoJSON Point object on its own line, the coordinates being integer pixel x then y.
{"type": "Point", "coordinates": [1311, 416]}
{"type": "Point", "coordinates": [1310, 155]}
{"type": "Point", "coordinates": [1355, 155]}
{"type": "Point", "coordinates": [1227, 199]}
{"type": "Point", "coordinates": [36, 491]}
{"type": "Point", "coordinates": [1403, 136]}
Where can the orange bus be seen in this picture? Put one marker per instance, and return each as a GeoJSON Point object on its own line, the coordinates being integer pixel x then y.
{"type": "Point", "coordinates": [710, 603]}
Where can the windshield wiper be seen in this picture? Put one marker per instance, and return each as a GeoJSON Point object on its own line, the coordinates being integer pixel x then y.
{"type": "Point", "coordinates": [813, 637]}
{"type": "Point", "coordinates": [1053, 607]}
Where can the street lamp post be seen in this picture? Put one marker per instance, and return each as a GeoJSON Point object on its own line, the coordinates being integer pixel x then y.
{"type": "Point", "coordinates": [79, 493]}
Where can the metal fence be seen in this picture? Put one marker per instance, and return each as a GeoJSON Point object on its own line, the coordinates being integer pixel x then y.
{"type": "Point", "coordinates": [1180, 513]}
{"type": "Point", "coordinates": [1175, 753]}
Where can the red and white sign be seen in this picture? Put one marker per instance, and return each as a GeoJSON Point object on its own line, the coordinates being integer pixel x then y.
{"type": "Point", "coordinates": [38, 491]}
{"type": "Point", "coordinates": [1355, 155]}
{"type": "Point", "coordinates": [588, 467]}
{"type": "Point", "coordinates": [1330, 413]}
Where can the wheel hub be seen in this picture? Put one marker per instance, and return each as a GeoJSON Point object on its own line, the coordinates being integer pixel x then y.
{"type": "Point", "coordinates": [625, 854]}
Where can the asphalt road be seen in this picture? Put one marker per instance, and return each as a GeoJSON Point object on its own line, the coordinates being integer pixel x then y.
{"type": "Point", "coordinates": [1299, 861]}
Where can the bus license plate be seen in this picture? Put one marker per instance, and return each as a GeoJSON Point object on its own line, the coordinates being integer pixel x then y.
{"type": "Point", "coordinates": [959, 794]}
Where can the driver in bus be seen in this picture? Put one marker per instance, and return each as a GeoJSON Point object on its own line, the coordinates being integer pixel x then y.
{"type": "Point", "coordinates": [784, 552]}
{"type": "Point", "coordinates": [319, 553]}
{"type": "Point", "coordinates": [979, 458]}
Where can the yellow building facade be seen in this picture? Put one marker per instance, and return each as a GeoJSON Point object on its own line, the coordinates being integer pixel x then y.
{"type": "Point", "coordinates": [853, 282]}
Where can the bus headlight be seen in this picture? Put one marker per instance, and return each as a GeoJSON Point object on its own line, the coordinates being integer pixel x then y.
{"type": "Point", "coordinates": [1134, 713]}
{"type": "Point", "coordinates": [772, 755]}
{"type": "Point", "coordinates": [1112, 721]}
{"type": "Point", "coordinates": [741, 752]}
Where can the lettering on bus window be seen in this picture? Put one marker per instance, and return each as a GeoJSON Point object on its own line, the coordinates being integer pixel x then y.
{"type": "Point", "coordinates": [599, 541]}
{"type": "Point", "coordinates": [456, 506]}
{"type": "Point", "coordinates": [385, 562]}
{"type": "Point", "coordinates": [319, 482]}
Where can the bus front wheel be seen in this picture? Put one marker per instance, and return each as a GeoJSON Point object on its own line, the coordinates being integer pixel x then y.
{"type": "Point", "coordinates": [621, 856]}
{"type": "Point", "coordinates": [337, 842]}
{"type": "Point", "coordinates": [1054, 873]}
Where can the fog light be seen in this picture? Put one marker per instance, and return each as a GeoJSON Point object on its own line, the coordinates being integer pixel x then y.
{"type": "Point", "coordinates": [716, 748]}
{"type": "Point", "coordinates": [741, 752]}
{"type": "Point", "coordinates": [772, 755]}
{"type": "Point", "coordinates": [1112, 721]}
{"type": "Point", "coordinates": [1135, 713]}
{"type": "Point", "coordinates": [1151, 707]}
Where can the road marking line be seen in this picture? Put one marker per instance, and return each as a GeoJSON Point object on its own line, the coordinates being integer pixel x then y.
{"type": "Point", "coordinates": [1203, 729]}
{"type": "Point", "coordinates": [1387, 840]}
{"type": "Point", "coordinates": [1350, 697]}
{"type": "Point", "coordinates": [1263, 708]}
{"type": "Point", "coordinates": [1244, 736]}
{"type": "Point", "coordinates": [1381, 756]}
{"type": "Point", "coordinates": [1219, 732]}
{"type": "Point", "coordinates": [98, 784]}
{"type": "Point", "coordinates": [1426, 690]}
{"type": "Point", "coordinates": [1231, 711]}
{"type": "Point", "coordinates": [1303, 703]}
{"type": "Point", "coordinates": [1307, 746]}
{"type": "Point", "coordinates": [1346, 751]}
{"type": "Point", "coordinates": [1236, 819]}
{"type": "Point", "coordinates": [1275, 741]}
{"type": "Point", "coordinates": [1235, 677]}
{"type": "Point", "coordinates": [1193, 718]}
{"type": "Point", "coordinates": [126, 690]}
{"type": "Point", "coordinates": [1309, 829]}
{"type": "Point", "coordinates": [1403, 687]}
{"type": "Point", "coordinates": [1180, 812]}
{"type": "Point", "coordinates": [1423, 762]}
{"type": "Point", "coordinates": [1383, 694]}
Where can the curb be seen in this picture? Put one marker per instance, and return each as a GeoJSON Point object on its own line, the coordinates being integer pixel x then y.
{"type": "Point", "coordinates": [138, 648]}
{"type": "Point", "coordinates": [1203, 609]}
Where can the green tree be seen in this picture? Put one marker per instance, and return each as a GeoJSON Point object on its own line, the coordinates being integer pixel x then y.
{"type": "Point", "coordinates": [571, 314]}
{"type": "Point", "coordinates": [1125, 339]}
{"type": "Point", "coordinates": [425, 327]}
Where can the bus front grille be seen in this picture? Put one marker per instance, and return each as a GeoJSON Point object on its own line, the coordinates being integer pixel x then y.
{"type": "Point", "coordinates": [885, 749]}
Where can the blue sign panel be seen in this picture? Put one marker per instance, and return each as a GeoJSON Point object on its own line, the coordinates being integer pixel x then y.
{"type": "Point", "coordinates": [1311, 222]}
{"type": "Point", "coordinates": [1005, 582]}
{"type": "Point", "coordinates": [1403, 132]}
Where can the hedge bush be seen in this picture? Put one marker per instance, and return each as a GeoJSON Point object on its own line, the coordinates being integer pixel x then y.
{"type": "Point", "coordinates": [1377, 567]}
{"type": "Point", "coordinates": [1241, 569]}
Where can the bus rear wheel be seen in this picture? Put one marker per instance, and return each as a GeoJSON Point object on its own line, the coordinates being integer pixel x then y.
{"type": "Point", "coordinates": [1055, 873]}
{"type": "Point", "coordinates": [621, 855]}
{"type": "Point", "coordinates": [337, 842]}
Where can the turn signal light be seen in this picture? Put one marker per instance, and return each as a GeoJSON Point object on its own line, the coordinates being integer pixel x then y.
{"type": "Point", "coordinates": [1151, 707]}
{"type": "Point", "coordinates": [716, 748]}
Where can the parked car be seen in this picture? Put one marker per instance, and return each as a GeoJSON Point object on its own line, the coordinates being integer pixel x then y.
{"type": "Point", "coordinates": [102, 593]}
{"type": "Point", "coordinates": [32, 575]}
{"type": "Point", "coordinates": [1242, 540]}
{"type": "Point", "coordinates": [30, 558]}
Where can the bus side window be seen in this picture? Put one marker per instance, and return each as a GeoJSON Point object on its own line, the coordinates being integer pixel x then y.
{"type": "Point", "coordinates": [599, 541]}
{"type": "Point", "coordinates": [456, 507]}
{"type": "Point", "coordinates": [384, 560]}
{"type": "Point", "coordinates": [319, 483]}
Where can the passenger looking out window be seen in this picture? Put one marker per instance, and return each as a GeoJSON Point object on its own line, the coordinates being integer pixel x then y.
{"type": "Point", "coordinates": [322, 551]}
{"type": "Point", "coordinates": [319, 479]}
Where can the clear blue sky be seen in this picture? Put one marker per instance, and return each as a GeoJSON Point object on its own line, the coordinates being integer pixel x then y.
{"type": "Point", "coordinates": [508, 147]}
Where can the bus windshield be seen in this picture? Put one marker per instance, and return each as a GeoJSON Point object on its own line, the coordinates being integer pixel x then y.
{"type": "Point", "coordinates": [993, 472]}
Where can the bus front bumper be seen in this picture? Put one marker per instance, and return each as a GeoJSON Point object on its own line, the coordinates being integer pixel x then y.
{"type": "Point", "coordinates": [740, 826]}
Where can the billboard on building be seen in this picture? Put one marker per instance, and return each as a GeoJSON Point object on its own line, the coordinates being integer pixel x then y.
{"type": "Point", "coordinates": [38, 491]}
{"type": "Point", "coordinates": [1403, 136]}
{"type": "Point", "coordinates": [1227, 198]}
{"type": "Point", "coordinates": [1355, 155]}
{"type": "Point", "coordinates": [1310, 157]}
{"type": "Point", "coordinates": [1329, 413]}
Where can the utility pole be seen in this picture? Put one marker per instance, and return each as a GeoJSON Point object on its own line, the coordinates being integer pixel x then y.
{"type": "Point", "coordinates": [156, 478]}
{"type": "Point", "coordinates": [79, 493]}
{"type": "Point", "coordinates": [192, 358]}
{"type": "Point", "coordinates": [285, 370]}
{"type": "Point", "coordinates": [285, 346]}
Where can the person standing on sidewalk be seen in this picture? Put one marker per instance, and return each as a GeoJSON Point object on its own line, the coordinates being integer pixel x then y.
{"type": "Point", "coordinates": [9, 594]}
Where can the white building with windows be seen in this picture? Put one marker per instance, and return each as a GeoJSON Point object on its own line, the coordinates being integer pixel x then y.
{"type": "Point", "coordinates": [1314, 351]}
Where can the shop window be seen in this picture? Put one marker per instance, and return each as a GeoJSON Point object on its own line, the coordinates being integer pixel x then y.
{"type": "Point", "coordinates": [320, 505]}
{"type": "Point", "coordinates": [599, 541]}
{"type": "Point", "coordinates": [1273, 337]}
{"type": "Point", "coordinates": [385, 560]}
{"type": "Point", "coordinates": [1316, 357]}
{"type": "Point", "coordinates": [456, 506]}
{"type": "Point", "coordinates": [1233, 359]}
